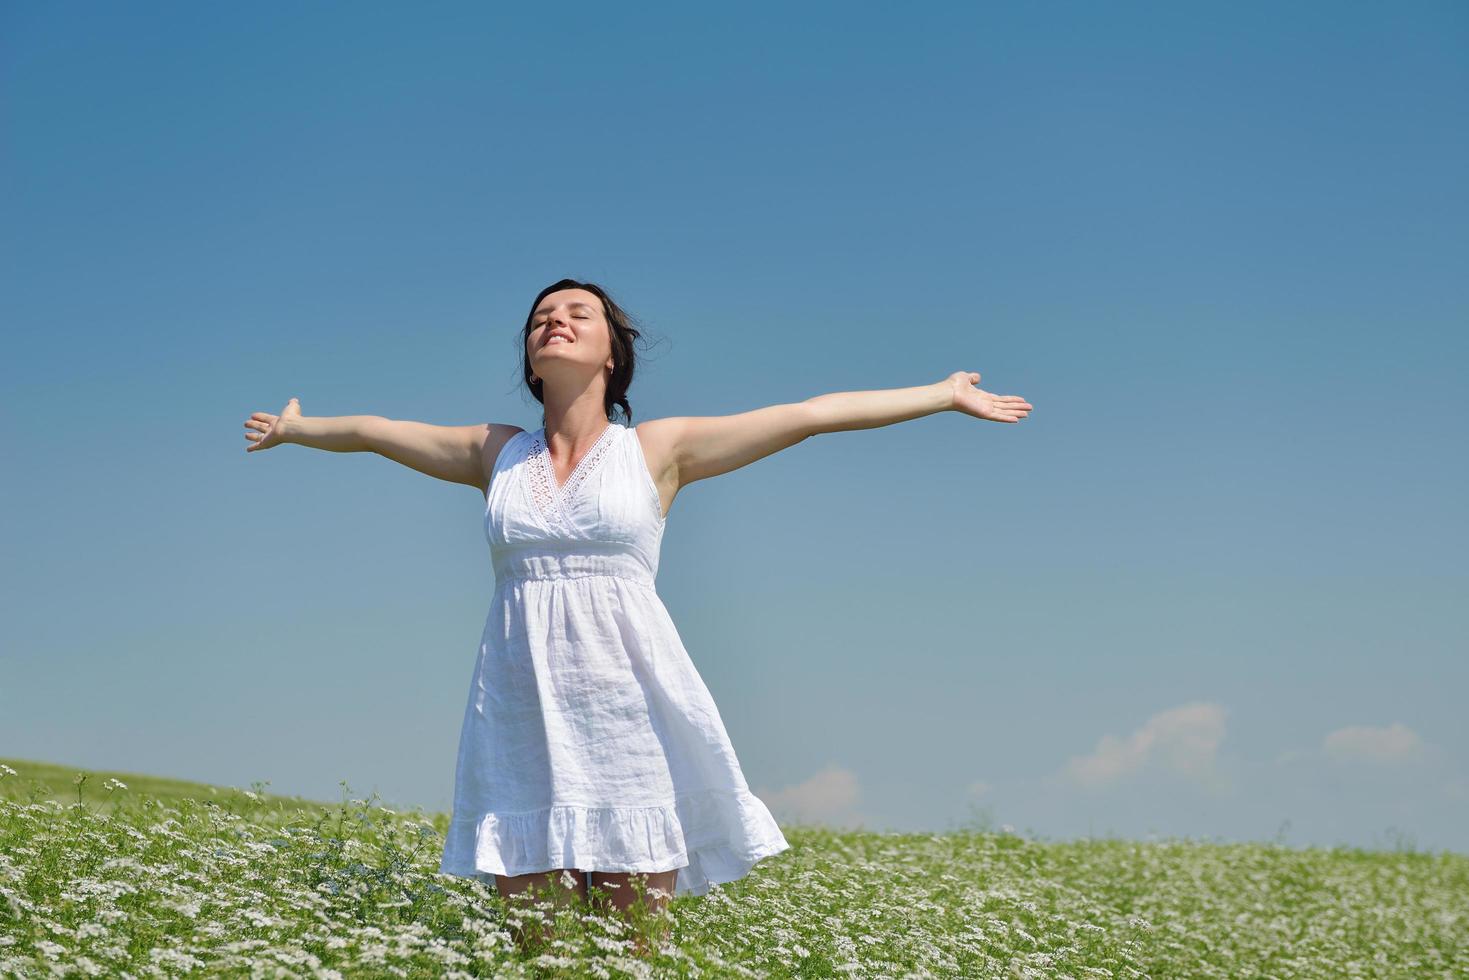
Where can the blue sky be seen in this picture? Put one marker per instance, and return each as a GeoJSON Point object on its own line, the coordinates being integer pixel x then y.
{"type": "Point", "coordinates": [1212, 587]}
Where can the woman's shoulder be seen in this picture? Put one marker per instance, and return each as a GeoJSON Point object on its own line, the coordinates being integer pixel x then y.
{"type": "Point", "coordinates": [499, 436]}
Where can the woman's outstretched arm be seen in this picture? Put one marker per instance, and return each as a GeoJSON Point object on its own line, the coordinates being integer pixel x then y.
{"type": "Point", "coordinates": [698, 447]}
{"type": "Point", "coordinates": [453, 453]}
{"type": "Point", "coordinates": [842, 411]}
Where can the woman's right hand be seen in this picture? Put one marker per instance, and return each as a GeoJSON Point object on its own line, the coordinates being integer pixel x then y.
{"type": "Point", "coordinates": [266, 430]}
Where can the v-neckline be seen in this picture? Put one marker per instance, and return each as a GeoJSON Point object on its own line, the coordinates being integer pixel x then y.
{"type": "Point", "coordinates": [556, 495]}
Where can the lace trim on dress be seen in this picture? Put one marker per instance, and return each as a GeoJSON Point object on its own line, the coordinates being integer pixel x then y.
{"type": "Point", "coordinates": [540, 484]}
{"type": "Point", "coordinates": [543, 475]}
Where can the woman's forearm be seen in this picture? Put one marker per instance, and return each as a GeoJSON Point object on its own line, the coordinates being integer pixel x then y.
{"type": "Point", "coordinates": [842, 410]}
{"type": "Point", "coordinates": [338, 433]}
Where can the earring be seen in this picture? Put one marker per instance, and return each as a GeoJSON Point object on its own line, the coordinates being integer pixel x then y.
{"type": "Point", "coordinates": [534, 379]}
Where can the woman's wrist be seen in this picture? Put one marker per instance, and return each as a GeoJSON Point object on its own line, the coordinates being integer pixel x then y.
{"type": "Point", "coordinates": [289, 426]}
{"type": "Point", "coordinates": [946, 396]}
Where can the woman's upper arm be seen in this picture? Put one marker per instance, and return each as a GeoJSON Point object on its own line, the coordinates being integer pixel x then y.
{"type": "Point", "coordinates": [455, 453]}
{"type": "Point", "coordinates": [697, 447]}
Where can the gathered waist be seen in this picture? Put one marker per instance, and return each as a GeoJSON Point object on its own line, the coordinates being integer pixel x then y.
{"type": "Point", "coordinates": [553, 566]}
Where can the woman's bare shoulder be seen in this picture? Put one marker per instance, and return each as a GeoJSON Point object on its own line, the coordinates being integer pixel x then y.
{"type": "Point", "coordinates": [497, 437]}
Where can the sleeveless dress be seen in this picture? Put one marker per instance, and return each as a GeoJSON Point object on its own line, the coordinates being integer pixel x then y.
{"type": "Point", "coordinates": [589, 740]}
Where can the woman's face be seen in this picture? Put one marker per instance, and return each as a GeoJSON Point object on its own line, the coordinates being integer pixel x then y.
{"type": "Point", "coordinates": [569, 335]}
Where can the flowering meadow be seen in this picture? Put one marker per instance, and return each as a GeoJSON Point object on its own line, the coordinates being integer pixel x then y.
{"type": "Point", "coordinates": [102, 877]}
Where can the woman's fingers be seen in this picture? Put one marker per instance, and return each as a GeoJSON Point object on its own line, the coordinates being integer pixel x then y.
{"type": "Point", "coordinates": [987, 405]}
{"type": "Point", "coordinates": [258, 428]}
{"type": "Point", "coordinates": [1012, 404]}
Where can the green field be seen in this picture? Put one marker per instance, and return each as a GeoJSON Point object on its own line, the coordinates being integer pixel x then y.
{"type": "Point", "coordinates": [160, 878]}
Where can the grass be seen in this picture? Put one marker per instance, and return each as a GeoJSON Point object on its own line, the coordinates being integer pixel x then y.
{"type": "Point", "coordinates": [125, 876]}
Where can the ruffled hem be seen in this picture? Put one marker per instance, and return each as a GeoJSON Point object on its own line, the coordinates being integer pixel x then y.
{"type": "Point", "coordinates": [712, 837]}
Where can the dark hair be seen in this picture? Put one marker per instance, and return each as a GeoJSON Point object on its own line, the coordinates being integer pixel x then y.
{"type": "Point", "coordinates": [622, 333]}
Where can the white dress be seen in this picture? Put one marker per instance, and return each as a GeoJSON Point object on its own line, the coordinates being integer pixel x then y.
{"type": "Point", "coordinates": [589, 740]}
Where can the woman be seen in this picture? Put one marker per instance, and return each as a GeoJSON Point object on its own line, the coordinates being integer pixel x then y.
{"type": "Point", "coordinates": [592, 759]}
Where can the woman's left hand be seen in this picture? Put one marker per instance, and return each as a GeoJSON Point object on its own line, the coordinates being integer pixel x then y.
{"type": "Point", "coordinates": [983, 405]}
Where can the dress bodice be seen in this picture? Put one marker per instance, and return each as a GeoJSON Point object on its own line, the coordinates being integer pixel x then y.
{"type": "Point", "coordinates": [605, 520]}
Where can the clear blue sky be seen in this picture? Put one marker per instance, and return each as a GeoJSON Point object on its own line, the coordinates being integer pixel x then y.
{"type": "Point", "coordinates": [1213, 584]}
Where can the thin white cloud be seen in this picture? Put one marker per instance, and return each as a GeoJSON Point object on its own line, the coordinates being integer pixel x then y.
{"type": "Point", "coordinates": [1392, 743]}
{"type": "Point", "coordinates": [1292, 756]}
{"type": "Point", "coordinates": [827, 798]}
{"type": "Point", "coordinates": [1183, 740]}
